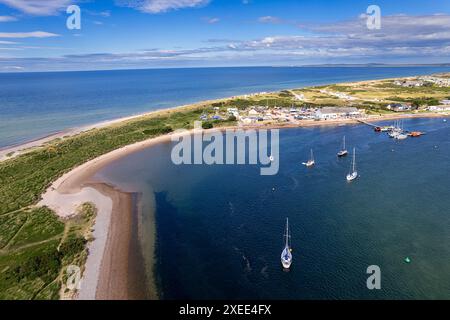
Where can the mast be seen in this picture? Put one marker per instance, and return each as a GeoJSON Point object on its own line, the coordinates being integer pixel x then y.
{"type": "Point", "coordinates": [312, 155]}
{"type": "Point", "coordinates": [344, 144]}
{"type": "Point", "coordinates": [287, 232]}
{"type": "Point", "coordinates": [354, 159]}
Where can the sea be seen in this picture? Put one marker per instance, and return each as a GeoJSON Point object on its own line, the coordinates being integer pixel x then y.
{"type": "Point", "coordinates": [219, 228]}
{"type": "Point", "coordinates": [35, 105]}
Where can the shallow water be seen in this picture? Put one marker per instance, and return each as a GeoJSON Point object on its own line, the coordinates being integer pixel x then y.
{"type": "Point", "coordinates": [220, 228]}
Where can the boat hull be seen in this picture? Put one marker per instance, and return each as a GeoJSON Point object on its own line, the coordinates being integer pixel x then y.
{"type": "Point", "coordinates": [286, 258]}
{"type": "Point", "coordinates": [310, 163]}
{"type": "Point", "coordinates": [352, 176]}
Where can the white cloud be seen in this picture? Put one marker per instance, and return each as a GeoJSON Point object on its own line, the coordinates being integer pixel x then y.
{"type": "Point", "coordinates": [13, 68]}
{"type": "Point", "coordinates": [34, 34]}
{"type": "Point", "coordinates": [211, 20]}
{"type": "Point", "coordinates": [104, 14]}
{"type": "Point", "coordinates": [38, 7]}
{"type": "Point", "coordinates": [269, 19]}
{"type": "Point", "coordinates": [159, 6]}
{"type": "Point", "coordinates": [7, 18]}
{"type": "Point", "coordinates": [416, 39]}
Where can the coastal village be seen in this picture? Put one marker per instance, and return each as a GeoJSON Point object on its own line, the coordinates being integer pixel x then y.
{"type": "Point", "coordinates": [351, 101]}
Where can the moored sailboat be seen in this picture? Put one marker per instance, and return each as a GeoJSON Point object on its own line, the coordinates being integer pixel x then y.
{"type": "Point", "coordinates": [286, 255]}
{"type": "Point", "coordinates": [343, 152]}
{"type": "Point", "coordinates": [353, 174]}
{"type": "Point", "coordinates": [311, 162]}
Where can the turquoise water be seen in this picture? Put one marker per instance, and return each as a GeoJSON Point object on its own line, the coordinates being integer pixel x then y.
{"type": "Point", "coordinates": [220, 228]}
{"type": "Point", "coordinates": [33, 105]}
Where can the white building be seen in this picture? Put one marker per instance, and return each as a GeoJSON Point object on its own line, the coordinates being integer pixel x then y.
{"type": "Point", "coordinates": [439, 108]}
{"type": "Point", "coordinates": [327, 113]}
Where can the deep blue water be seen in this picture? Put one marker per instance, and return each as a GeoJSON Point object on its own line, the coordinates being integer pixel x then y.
{"type": "Point", "coordinates": [33, 105]}
{"type": "Point", "coordinates": [220, 228]}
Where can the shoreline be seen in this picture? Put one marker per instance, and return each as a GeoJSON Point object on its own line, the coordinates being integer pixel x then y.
{"type": "Point", "coordinates": [113, 236]}
{"type": "Point", "coordinates": [28, 146]}
{"type": "Point", "coordinates": [39, 142]}
{"type": "Point", "coordinates": [10, 152]}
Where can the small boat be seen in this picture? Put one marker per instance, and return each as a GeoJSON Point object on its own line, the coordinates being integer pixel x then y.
{"type": "Point", "coordinates": [286, 255]}
{"type": "Point", "coordinates": [393, 134]}
{"type": "Point", "coordinates": [353, 174]}
{"type": "Point", "coordinates": [343, 151]}
{"type": "Point", "coordinates": [311, 162]}
{"type": "Point", "coordinates": [377, 129]}
{"type": "Point", "coordinates": [271, 158]}
{"type": "Point", "coordinates": [415, 134]}
{"type": "Point", "coordinates": [395, 130]}
{"type": "Point", "coordinates": [401, 136]}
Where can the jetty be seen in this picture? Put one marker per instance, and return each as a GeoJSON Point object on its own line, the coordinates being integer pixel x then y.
{"type": "Point", "coordinates": [367, 123]}
{"type": "Point", "coordinates": [377, 128]}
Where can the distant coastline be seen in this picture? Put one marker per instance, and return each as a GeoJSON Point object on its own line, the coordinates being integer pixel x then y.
{"type": "Point", "coordinates": [71, 101]}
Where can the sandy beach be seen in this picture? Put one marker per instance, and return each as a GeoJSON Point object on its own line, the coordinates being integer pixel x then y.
{"type": "Point", "coordinates": [114, 251]}
{"type": "Point", "coordinates": [10, 152]}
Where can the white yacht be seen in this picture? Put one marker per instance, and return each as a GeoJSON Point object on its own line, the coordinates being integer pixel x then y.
{"type": "Point", "coordinates": [353, 174]}
{"type": "Point", "coordinates": [311, 162]}
{"type": "Point", "coordinates": [286, 255]}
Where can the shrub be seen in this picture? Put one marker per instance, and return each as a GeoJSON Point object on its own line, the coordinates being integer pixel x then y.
{"type": "Point", "coordinates": [207, 125]}
{"type": "Point", "coordinates": [73, 246]}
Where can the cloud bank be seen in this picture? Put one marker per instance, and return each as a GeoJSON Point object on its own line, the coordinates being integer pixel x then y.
{"type": "Point", "coordinates": [402, 39]}
{"type": "Point", "coordinates": [160, 6]}
{"type": "Point", "coordinates": [38, 7]}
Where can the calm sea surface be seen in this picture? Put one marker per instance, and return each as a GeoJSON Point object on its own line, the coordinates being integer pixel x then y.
{"type": "Point", "coordinates": [33, 105]}
{"type": "Point", "coordinates": [220, 228]}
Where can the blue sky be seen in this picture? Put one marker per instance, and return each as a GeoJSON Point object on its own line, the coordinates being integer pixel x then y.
{"type": "Point", "coordinates": [117, 34]}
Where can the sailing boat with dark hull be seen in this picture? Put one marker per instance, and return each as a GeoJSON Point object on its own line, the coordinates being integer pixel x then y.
{"type": "Point", "coordinates": [343, 152]}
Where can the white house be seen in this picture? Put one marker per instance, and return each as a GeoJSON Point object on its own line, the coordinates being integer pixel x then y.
{"type": "Point", "coordinates": [336, 112]}
{"type": "Point", "coordinates": [439, 108]}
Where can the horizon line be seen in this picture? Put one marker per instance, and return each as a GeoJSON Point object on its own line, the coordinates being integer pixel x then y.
{"type": "Point", "coordinates": [331, 65]}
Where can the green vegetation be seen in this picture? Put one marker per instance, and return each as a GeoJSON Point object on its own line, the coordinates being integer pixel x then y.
{"type": "Point", "coordinates": [33, 261]}
{"type": "Point", "coordinates": [207, 125]}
